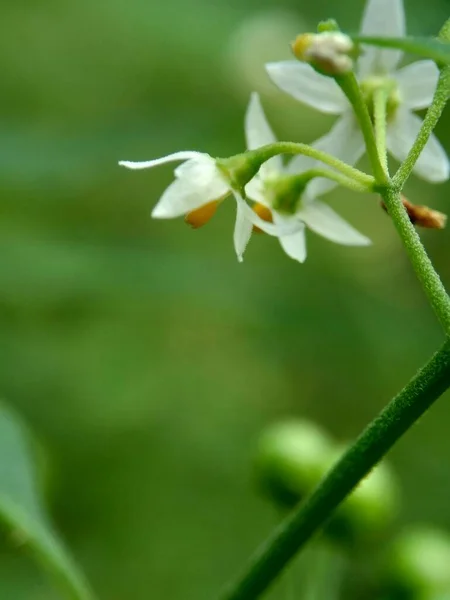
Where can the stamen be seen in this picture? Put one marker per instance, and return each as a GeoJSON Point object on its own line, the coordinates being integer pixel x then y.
{"type": "Point", "coordinates": [263, 213]}
{"type": "Point", "coordinates": [200, 216]}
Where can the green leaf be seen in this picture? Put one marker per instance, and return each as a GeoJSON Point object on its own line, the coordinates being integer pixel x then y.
{"type": "Point", "coordinates": [432, 48]}
{"type": "Point", "coordinates": [22, 511]}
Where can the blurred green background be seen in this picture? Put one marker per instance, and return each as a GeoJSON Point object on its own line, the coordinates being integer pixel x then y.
{"type": "Point", "coordinates": [144, 357]}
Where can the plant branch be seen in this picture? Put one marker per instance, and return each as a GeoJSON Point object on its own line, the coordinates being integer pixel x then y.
{"type": "Point", "coordinates": [431, 119]}
{"type": "Point", "coordinates": [380, 122]}
{"type": "Point", "coordinates": [376, 440]}
{"type": "Point", "coordinates": [418, 256]}
{"type": "Point", "coordinates": [263, 154]}
{"type": "Point", "coordinates": [351, 89]}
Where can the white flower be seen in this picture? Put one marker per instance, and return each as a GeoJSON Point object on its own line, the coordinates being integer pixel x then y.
{"type": "Point", "coordinates": [412, 88]}
{"type": "Point", "coordinates": [198, 188]}
{"type": "Point", "coordinates": [310, 212]}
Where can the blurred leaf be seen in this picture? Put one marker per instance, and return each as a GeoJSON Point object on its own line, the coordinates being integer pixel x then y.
{"type": "Point", "coordinates": [22, 510]}
{"type": "Point", "coordinates": [427, 47]}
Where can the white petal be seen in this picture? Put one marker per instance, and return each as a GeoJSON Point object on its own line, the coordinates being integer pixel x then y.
{"type": "Point", "coordinates": [344, 141]}
{"type": "Point", "coordinates": [294, 245]}
{"type": "Point", "coordinates": [417, 83]}
{"type": "Point", "coordinates": [270, 228]}
{"type": "Point", "coordinates": [259, 133]}
{"type": "Point", "coordinates": [242, 232]}
{"type": "Point", "coordinates": [182, 197]}
{"type": "Point", "coordinates": [303, 83]}
{"type": "Point", "coordinates": [184, 155]}
{"type": "Point", "coordinates": [381, 18]}
{"type": "Point", "coordinates": [322, 219]}
{"type": "Point", "coordinates": [433, 164]}
{"type": "Point", "coordinates": [255, 190]}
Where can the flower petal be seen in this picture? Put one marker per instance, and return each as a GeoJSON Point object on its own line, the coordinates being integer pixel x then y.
{"type": "Point", "coordinates": [275, 230]}
{"type": "Point", "coordinates": [344, 141]}
{"type": "Point", "coordinates": [242, 231]}
{"type": "Point", "coordinates": [183, 155]}
{"type": "Point", "coordinates": [417, 84]}
{"type": "Point", "coordinates": [259, 133]}
{"type": "Point", "coordinates": [255, 190]}
{"type": "Point", "coordinates": [300, 81]}
{"type": "Point", "coordinates": [294, 245]}
{"type": "Point", "coordinates": [183, 196]}
{"type": "Point", "coordinates": [386, 18]}
{"type": "Point", "coordinates": [322, 219]}
{"type": "Point", "coordinates": [433, 164]}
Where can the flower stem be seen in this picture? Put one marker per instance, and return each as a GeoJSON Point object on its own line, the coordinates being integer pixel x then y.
{"type": "Point", "coordinates": [265, 152]}
{"type": "Point", "coordinates": [340, 179]}
{"type": "Point", "coordinates": [351, 89]}
{"type": "Point", "coordinates": [375, 441]}
{"type": "Point", "coordinates": [423, 266]}
{"type": "Point", "coordinates": [431, 119]}
{"type": "Point", "coordinates": [380, 121]}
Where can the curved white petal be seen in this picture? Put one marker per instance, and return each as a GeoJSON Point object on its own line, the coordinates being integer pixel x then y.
{"type": "Point", "coordinates": [383, 18]}
{"type": "Point", "coordinates": [255, 190]}
{"type": "Point", "coordinates": [183, 155]}
{"type": "Point", "coordinates": [259, 133]}
{"type": "Point", "coordinates": [322, 219]}
{"type": "Point", "coordinates": [433, 164]}
{"type": "Point", "coordinates": [270, 228]}
{"type": "Point", "coordinates": [242, 232]}
{"type": "Point", "coordinates": [417, 84]}
{"type": "Point", "coordinates": [294, 245]}
{"type": "Point", "coordinates": [183, 196]}
{"type": "Point", "coordinates": [344, 141]}
{"type": "Point", "coordinates": [300, 81]}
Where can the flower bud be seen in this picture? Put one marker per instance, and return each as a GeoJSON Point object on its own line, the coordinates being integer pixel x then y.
{"type": "Point", "coordinates": [367, 514]}
{"type": "Point", "coordinates": [417, 565]}
{"type": "Point", "coordinates": [423, 216]}
{"type": "Point", "coordinates": [330, 52]}
{"type": "Point", "coordinates": [291, 458]}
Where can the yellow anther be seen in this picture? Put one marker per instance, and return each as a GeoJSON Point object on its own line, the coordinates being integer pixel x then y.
{"type": "Point", "coordinates": [200, 216]}
{"type": "Point", "coordinates": [263, 213]}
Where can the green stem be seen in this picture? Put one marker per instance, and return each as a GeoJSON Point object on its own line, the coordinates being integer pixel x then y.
{"type": "Point", "coordinates": [380, 121]}
{"type": "Point", "coordinates": [377, 439]}
{"type": "Point", "coordinates": [265, 152]}
{"type": "Point", "coordinates": [431, 119]}
{"type": "Point", "coordinates": [423, 266]}
{"type": "Point", "coordinates": [351, 89]}
{"type": "Point", "coordinates": [351, 184]}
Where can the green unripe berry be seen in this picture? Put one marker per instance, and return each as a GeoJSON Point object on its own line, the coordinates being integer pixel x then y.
{"type": "Point", "coordinates": [290, 460]}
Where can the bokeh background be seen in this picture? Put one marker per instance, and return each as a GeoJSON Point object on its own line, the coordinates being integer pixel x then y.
{"type": "Point", "coordinates": [143, 356]}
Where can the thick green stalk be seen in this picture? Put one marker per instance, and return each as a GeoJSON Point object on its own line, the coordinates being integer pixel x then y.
{"type": "Point", "coordinates": [377, 439]}
{"type": "Point", "coordinates": [418, 256]}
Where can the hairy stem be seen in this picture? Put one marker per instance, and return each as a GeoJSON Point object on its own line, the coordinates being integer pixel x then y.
{"type": "Point", "coordinates": [376, 440]}
{"type": "Point", "coordinates": [351, 89]}
{"type": "Point", "coordinates": [418, 256]}
{"type": "Point", "coordinates": [431, 119]}
{"type": "Point", "coordinates": [265, 152]}
{"type": "Point", "coordinates": [380, 121]}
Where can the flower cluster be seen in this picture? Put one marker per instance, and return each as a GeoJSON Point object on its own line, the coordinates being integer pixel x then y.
{"type": "Point", "coordinates": [282, 199]}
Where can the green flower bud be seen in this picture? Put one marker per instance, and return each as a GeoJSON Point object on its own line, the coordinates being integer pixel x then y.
{"type": "Point", "coordinates": [368, 513]}
{"type": "Point", "coordinates": [291, 458]}
{"type": "Point", "coordinates": [418, 564]}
